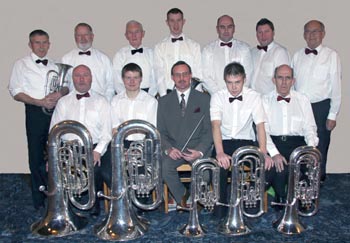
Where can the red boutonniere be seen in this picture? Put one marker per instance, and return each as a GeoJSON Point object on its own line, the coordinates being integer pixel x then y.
{"type": "Point", "coordinates": [197, 110]}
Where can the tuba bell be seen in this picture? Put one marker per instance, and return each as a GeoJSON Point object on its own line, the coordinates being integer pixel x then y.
{"type": "Point", "coordinates": [247, 190]}
{"type": "Point", "coordinates": [122, 223]}
{"type": "Point", "coordinates": [203, 192]}
{"type": "Point", "coordinates": [303, 189]}
{"type": "Point", "coordinates": [70, 173]}
{"type": "Point", "coordinates": [55, 81]}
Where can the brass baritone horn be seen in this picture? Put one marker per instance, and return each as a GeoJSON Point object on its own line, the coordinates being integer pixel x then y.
{"type": "Point", "coordinates": [247, 190]}
{"type": "Point", "coordinates": [122, 223]}
{"type": "Point", "coordinates": [55, 81]}
{"type": "Point", "coordinates": [203, 192]}
{"type": "Point", "coordinates": [303, 189]}
{"type": "Point", "coordinates": [70, 173]}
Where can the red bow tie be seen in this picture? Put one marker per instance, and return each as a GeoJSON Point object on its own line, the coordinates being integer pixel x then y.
{"type": "Point", "coordinates": [85, 53]}
{"type": "Point", "coordinates": [308, 51]}
{"type": "Point", "coordinates": [262, 48]}
{"type": "Point", "coordinates": [229, 44]}
{"type": "Point", "coordinates": [177, 39]}
{"type": "Point", "coordinates": [79, 96]}
{"type": "Point", "coordinates": [231, 99]}
{"type": "Point", "coordinates": [279, 98]}
{"type": "Point", "coordinates": [44, 61]}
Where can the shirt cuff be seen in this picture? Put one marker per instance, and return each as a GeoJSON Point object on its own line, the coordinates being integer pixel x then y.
{"type": "Point", "coordinates": [332, 116]}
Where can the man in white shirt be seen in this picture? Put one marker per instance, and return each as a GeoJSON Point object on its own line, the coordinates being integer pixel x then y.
{"type": "Point", "coordinates": [232, 112]}
{"type": "Point", "coordinates": [93, 111]}
{"type": "Point", "coordinates": [318, 75]}
{"type": "Point", "coordinates": [28, 84]}
{"type": "Point", "coordinates": [266, 57]}
{"type": "Point", "coordinates": [98, 62]}
{"type": "Point", "coordinates": [290, 123]}
{"type": "Point", "coordinates": [135, 52]}
{"type": "Point", "coordinates": [224, 50]}
{"type": "Point", "coordinates": [174, 48]}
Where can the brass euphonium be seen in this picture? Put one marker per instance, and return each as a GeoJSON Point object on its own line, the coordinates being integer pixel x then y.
{"type": "Point", "coordinates": [203, 192]}
{"type": "Point", "coordinates": [303, 189]}
{"type": "Point", "coordinates": [122, 223]}
{"type": "Point", "coordinates": [70, 173]}
{"type": "Point", "coordinates": [247, 190]}
{"type": "Point", "coordinates": [55, 81]}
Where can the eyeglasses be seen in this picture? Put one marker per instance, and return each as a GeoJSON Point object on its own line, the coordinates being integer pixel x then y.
{"type": "Point", "coordinates": [183, 75]}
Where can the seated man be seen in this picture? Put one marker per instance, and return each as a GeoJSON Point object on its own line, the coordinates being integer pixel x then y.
{"type": "Point", "coordinates": [233, 111]}
{"type": "Point", "coordinates": [93, 111]}
{"type": "Point", "coordinates": [290, 123]}
{"type": "Point", "coordinates": [184, 124]}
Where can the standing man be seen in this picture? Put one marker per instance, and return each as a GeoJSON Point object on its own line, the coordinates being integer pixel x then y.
{"type": "Point", "coordinates": [223, 51]}
{"type": "Point", "coordinates": [266, 57]}
{"type": "Point", "coordinates": [93, 111]}
{"type": "Point", "coordinates": [290, 123]}
{"type": "Point", "coordinates": [318, 76]}
{"type": "Point", "coordinates": [179, 113]}
{"type": "Point", "coordinates": [233, 111]}
{"type": "Point", "coordinates": [28, 84]}
{"type": "Point", "coordinates": [174, 48]}
{"type": "Point", "coordinates": [99, 63]}
{"type": "Point", "coordinates": [135, 53]}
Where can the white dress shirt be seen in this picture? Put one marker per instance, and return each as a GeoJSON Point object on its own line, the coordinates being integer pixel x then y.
{"type": "Point", "coordinates": [289, 119]}
{"type": "Point", "coordinates": [101, 70]}
{"type": "Point", "coordinates": [167, 53]}
{"type": "Point", "coordinates": [143, 107]}
{"type": "Point", "coordinates": [93, 112]}
{"type": "Point", "coordinates": [319, 77]}
{"type": "Point", "coordinates": [264, 64]}
{"type": "Point", "coordinates": [29, 77]}
{"type": "Point", "coordinates": [216, 57]}
{"type": "Point", "coordinates": [144, 60]}
{"type": "Point", "coordinates": [237, 117]}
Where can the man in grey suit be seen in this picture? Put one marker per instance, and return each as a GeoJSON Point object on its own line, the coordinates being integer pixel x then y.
{"type": "Point", "coordinates": [180, 113]}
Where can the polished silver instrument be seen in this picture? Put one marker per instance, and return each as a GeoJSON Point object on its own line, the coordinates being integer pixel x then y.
{"type": "Point", "coordinates": [70, 173]}
{"type": "Point", "coordinates": [303, 189]}
{"type": "Point", "coordinates": [55, 81]}
{"type": "Point", "coordinates": [128, 184]}
{"type": "Point", "coordinates": [247, 190]}
{"type": "Point", "coordinates": [204, 190]}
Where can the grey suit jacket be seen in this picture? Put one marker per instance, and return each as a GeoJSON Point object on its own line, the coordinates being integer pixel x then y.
{"type": "Point", "coordinates": [175, 129]}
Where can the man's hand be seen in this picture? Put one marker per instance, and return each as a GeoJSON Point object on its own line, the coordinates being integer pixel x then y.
{"type": "Point", "coordinates": [191, 155]}
{"type": "Point", "coordinates": [174, 153]}
{"type": "Point", "coordinates": [97, 158]}
{"type": "Point", "coordinates": [224, 160]}
{"type": "Point", "coordinates": [330, 124]}
{"type": "Point", "coordinates": [279, 161]}
{"type": "Point", "coordinates": [47, 102]}
{"type": "Point", "coordinates": [269, 163]}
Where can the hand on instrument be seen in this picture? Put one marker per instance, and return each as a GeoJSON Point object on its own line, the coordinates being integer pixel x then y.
{"type": "Point", "coordinates": [191, 155]}
{"type": "Point", "coordinates": [223, 160]}
{"type": "Point", "coordinates": [48, 103]}
{"type": "Point", "coordinates": [174, 153]}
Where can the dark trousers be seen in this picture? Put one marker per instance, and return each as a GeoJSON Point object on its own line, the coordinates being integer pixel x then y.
{"type": "Point", "coordinates": [230, 146]}
{"type": "Point", "coordinates": [103, 173]}
{"type": "Point", "coordinates": [321, 110]}
{"type": "Point", "coordinates": [285, 145]}
{"type": "Point", "coordinates": [37, 129]}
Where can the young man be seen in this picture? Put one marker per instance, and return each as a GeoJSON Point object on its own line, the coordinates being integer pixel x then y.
{"type": "Point", "coordinates": [233, 110]}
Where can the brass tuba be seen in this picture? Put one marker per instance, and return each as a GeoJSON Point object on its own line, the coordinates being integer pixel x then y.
{"type": "Point", "coordinates": [70, 173]}
{"type": "Point", "coordinates": [122, 223]}
{"type": "Point", "coordinates": [303, 189]}
{"type": "Point", "coordinates": [247, 190]}
{"type": "Point", "coordinates": [55, 81]}
{"type": "Point", "coordinates": [207, 194]}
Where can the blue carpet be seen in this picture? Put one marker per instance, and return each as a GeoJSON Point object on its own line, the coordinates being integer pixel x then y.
{"type": "Point", "coordinates": [330, 224]}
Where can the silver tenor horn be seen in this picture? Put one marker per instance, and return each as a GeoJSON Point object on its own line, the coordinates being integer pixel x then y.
{"type": "Point", "coordinates": [55, 81]}
{"type": "Point", "coordinates": [70, 173]}
{"type": "Point", "coordinates": [247, 190]}
{"type": "Point", "coordinates": [203, 192]}
{"type": "Point", "coordinates": [122, 223]}
{"type": "Point", "coordinates": [303, 189]}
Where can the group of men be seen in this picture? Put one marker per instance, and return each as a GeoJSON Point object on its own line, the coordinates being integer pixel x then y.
{"type": "Point", "coordinates": [255, 96]}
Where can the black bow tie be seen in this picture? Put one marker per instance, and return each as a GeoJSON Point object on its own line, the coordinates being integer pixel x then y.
{"type": "Point", "coordinates": [229, 44]}
{"type": "Point", "coordinates": [308, 51]}
{"type": "Point", "coordinates": [262, 48]}
{"type": "Point", "coordinates": [136, 50]}
{"type": "Point", "coordinates": [85, 53]}
{"type": "Point", "coordinates": [231, 99]}
{"type": "Point", "coordinates": [279, 98]}
{"type": "Point", "coordinates": [177, 39]}
{"type": "Point", "coordinates": [44, 61]}
{"type": "Point", "coordinates": [79, 96]}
